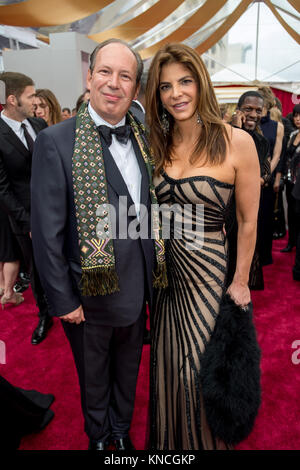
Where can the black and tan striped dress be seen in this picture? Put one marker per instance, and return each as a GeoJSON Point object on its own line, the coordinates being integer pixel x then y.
{"type": "Point", "coordinates": [185, 313]}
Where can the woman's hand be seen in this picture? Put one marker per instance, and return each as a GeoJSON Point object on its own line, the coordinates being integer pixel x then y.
{"type": "Point", "coordinates": [240, 293]}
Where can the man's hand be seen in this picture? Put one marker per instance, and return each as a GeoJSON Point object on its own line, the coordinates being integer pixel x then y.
{"type": "Point", "coordinates": [238, 118]}
{"type": "Point", "coordinates": [77, 316]}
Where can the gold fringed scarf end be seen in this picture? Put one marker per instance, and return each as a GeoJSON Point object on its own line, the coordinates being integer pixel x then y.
{"type": "Point", "coordinates": [160, 279]}
{"type": "Point", "coordinates": [99, 282]}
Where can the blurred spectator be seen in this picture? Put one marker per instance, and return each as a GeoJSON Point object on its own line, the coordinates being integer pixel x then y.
{"type": "Point", "coordinates": [18, 131]}
{"type": "Point", "coordinates": [275, 114]}
{"type": "Point", "coordinates": [274, 133]}
{"type": "Point", "coordinates": [290, 171]}
{"type": "Point", "coordinates": [9, 262]}
{"type": "Point", "coordinates": [227, 110]}
{"type": "Point", "coordinates": [279, 228]}
{"type": "Point", "coordinates": [82, 99]}
{"type": "Point", "coordinates": [138, 105]}
{"type": "Point", "coordinates": [47, 107]}
{"type": "Point", "coordinates": [65, 113]}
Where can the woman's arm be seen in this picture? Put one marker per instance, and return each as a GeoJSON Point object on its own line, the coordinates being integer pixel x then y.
{"type": "Point", "coordinates": [247, 194]}
{"type": "Point", "coordinates": [277, 147]}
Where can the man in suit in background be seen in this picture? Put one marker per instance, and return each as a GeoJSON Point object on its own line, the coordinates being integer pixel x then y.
{"type": "Point", "coordinates": [138, 105]}
{"type": "Point", "coordinates": [98, 284]}
{"type": "Point", "coordinates": [18, 131]}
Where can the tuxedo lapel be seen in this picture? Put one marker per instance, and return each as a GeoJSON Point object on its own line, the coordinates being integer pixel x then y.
{"type": "Point", "coordinates": [144, 172]}
{"type": "Point", "coordinates": [9, 135]}
{"type": "Point", "coordinates": [113, 175]}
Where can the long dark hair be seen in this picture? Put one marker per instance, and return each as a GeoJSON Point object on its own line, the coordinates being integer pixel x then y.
{"type": "Point", "coordinates": [214, 138]}
{"type": "Point", "coordinates": [52, 103]}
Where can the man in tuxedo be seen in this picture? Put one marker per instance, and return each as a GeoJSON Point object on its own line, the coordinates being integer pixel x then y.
{"type": "Point", "coordinates": [247, 117]}
{"type": "Point", "coordinates": [98, 284]}
{"type": "Point", "coordinates": [18, 131]}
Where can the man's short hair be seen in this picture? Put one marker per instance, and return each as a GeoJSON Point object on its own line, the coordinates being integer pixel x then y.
{"type": "Point", "coordinates": [139, 61]}
{"type": "Point", "coordinates": [66, 109]}
{"type": "Point", "coordinates": [249, 94]}
{"type": "Point", "coordinates": [15, 83]}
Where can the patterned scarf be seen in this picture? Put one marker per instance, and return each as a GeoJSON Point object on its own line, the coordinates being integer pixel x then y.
{"type": "Point", "coordinates": [99, 275]}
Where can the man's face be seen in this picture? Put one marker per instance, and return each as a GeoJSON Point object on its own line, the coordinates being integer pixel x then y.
{"type": "Point", "coordinates": [65, 115]}
{"type": "Point", "coordinates": [112, 83]}
{"type": "Point", "coordinates": [252, 109]}
{"type": "Point", "coordinates": [25, 103]}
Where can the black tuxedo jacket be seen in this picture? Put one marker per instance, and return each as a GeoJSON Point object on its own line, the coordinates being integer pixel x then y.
{"type": "Point", "coordinates": [55, 237]}
{"type": "Point", "coordinates": [15, 174]}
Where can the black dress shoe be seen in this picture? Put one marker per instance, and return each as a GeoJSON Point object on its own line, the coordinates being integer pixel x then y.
{"type": "Point", "coordinates": [20, 286]}
{"type": "Point", "coordinates": [41, 330]}
{"type": "Point", "coordinates": [124, 444]}
{"type": "Point", "coordinates": [97, 445]}
{"type": "Point", "coordinates": [23, 282]}
{"type": "Point", "coordinates": [287, 249]}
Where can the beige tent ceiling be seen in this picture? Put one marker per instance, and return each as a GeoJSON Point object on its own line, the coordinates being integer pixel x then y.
{"type": "Point", "coordinates": [37, 13]}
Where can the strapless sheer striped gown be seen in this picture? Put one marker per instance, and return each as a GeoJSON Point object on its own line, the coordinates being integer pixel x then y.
{"type": "Point", "coordinates": [185, 313]}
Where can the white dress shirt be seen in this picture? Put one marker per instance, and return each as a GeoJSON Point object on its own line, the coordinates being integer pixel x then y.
{"type": "Point", "coordinates": [125, 159]}
{"type": "Point", "coordinates": [18, 130]}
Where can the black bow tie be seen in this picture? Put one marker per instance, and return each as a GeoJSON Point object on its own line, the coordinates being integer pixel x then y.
{"type": "Point", "coordinates": [122, 133]}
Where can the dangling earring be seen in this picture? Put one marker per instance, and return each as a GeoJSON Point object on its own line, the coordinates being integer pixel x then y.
{"type": "Point", "coordinates": [164, 123]}
{"type": "Point", "coordinates": [199, 120]}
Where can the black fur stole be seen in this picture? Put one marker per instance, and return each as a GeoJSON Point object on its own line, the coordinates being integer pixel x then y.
{"type": "Point", "coordinates": [230, 374]}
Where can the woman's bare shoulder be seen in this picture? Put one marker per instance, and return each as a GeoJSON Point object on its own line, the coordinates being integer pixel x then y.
{"type": "Point", "coordinates": [238, 136]}
{"type": "Point", "coordinates": [242, 150]}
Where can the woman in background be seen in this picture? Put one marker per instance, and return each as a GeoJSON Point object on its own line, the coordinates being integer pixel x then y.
{"type": "Point", "coordinates": [9, 263]}
{"type": "Point", "coordinates": [273, 131]}
{"type": "Point", "coordinates": [47, 107]}
{"type": "Point", "coordinates": [290, 171]}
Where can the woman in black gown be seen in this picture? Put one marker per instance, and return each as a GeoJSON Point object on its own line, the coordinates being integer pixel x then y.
{"type": "Point", "coordinates": [273, 131]}
{"type": "Point", "coordinates": [198, 165]}
{"type": "Point", "coordinates": [9, 263]}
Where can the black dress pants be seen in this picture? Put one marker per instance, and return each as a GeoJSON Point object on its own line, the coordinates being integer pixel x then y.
{"type": "Point", "coordinates": [107, 361]}
{"type": "Point", "coordinates": [37, 289]}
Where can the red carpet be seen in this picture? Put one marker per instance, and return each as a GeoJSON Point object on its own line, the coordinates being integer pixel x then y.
{"type": "Point", "coordinates": [49, 368]}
